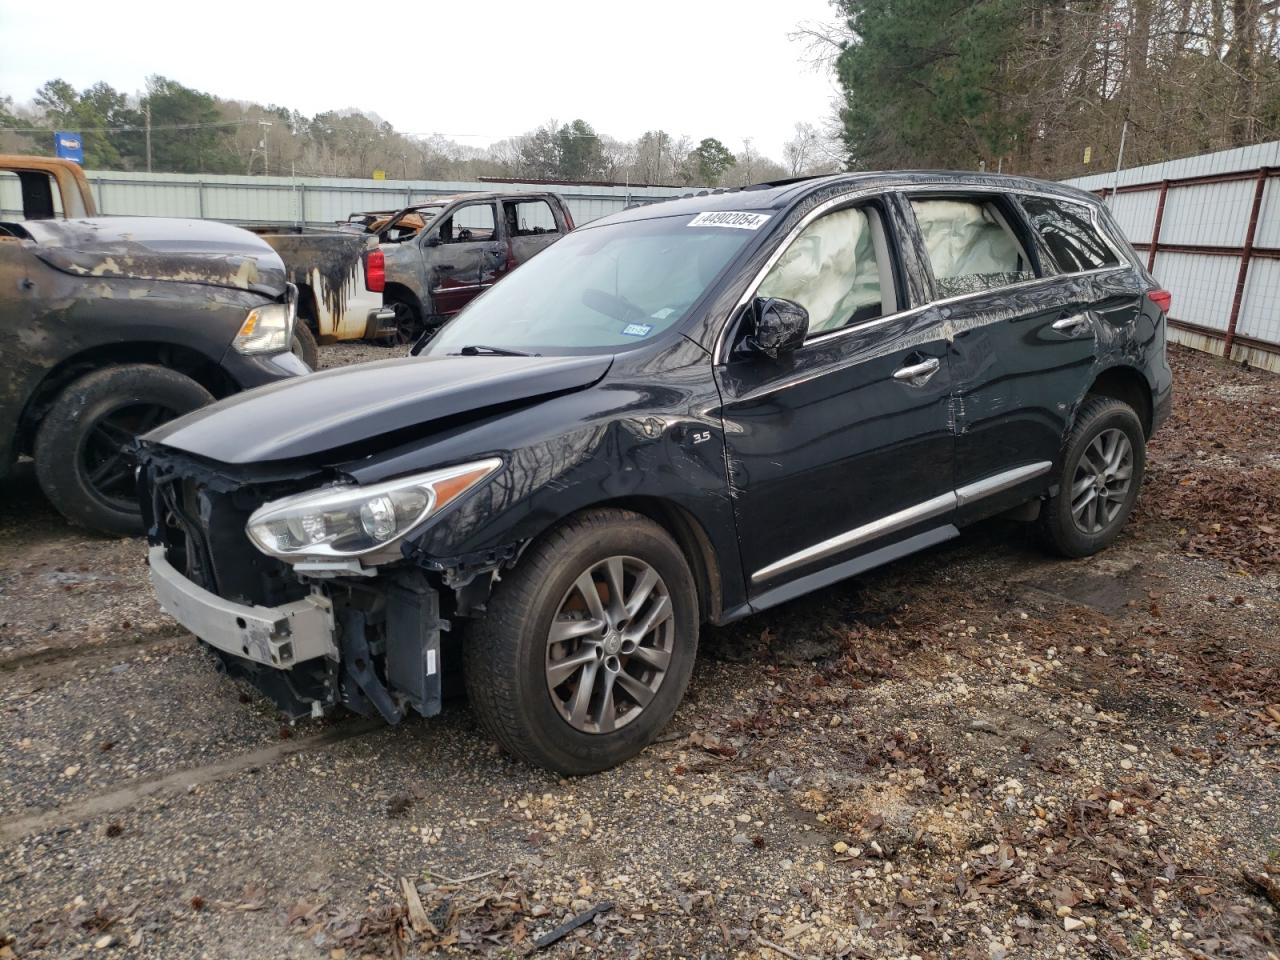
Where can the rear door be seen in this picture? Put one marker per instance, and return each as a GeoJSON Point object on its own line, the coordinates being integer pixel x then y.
{"type": "Point", "coordinates": [839, 453]}
{"type": "Point", "coordinates": [531, 227]}
{"type": "Point", "coordinates": [470, 257]}
{"type": "Point", "coordinates": [1022, 344]}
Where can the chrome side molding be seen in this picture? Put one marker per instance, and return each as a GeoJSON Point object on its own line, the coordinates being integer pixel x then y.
{"type": "Point", "coordinates": [934, 507]}
{"type": "Point", "coordinates": [851, 538]}
{"type": "Point", "coordinates": [1000, 482]}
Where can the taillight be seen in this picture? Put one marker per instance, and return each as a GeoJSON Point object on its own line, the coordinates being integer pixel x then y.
{"type": "Point", "coordinates": [375, 271]}
{"type": "Point", "coordinates": [1162, 299]}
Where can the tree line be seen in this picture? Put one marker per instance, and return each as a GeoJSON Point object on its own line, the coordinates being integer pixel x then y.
{"type": "Point", "coordinates": [174, 128]}
{"type": "Point", "coordinates": [1050, 87]}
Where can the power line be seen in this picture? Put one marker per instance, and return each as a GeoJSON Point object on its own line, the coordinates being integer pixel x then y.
{"type": "Point", "coordinates": [131, 128]}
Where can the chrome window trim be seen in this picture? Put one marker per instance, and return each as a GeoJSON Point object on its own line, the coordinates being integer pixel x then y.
{"type": "Point", "coordinates": [893, 522]}
{"type": "Point", "coordinates": [720, 352]}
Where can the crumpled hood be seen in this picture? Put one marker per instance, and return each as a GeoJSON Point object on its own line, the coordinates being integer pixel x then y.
{"type": "Point", "coordinates": [336, 408]}
{"type": "Point", "coordinates": [160, 248]}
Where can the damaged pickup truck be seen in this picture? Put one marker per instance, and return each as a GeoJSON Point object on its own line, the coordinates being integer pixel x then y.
{"type": "Point", "coordinates": [339, 277]}
{"type": "Point", "coordinates": [677, 414]}
{"type": "Point", "coordinates": [440, 255]}
{"type": "Point", "coordinates": [111, 325]}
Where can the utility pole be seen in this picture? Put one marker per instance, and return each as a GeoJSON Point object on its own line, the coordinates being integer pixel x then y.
{"type": "Point", "coordinates": [1115, 183]}
{"type": "Point", "coordinates": [146, 111]}
{"type": "Point", "coordinates": [266, 164]}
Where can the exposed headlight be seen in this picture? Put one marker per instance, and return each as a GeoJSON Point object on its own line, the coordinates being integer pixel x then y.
{"type": "Point", "coordinates": [266, 329]}
{"type": "Point", "coordinates": [353, 521]}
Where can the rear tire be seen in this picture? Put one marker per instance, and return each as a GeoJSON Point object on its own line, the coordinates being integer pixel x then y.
{"type": "Point", "coordinates": [304, 346]}
{"type": "Point", "coordinates": [527, 687]}
{"type": "Point", "coordinates": [1101, 473]}
{"type": "Point", "coordinates": [83, 449]}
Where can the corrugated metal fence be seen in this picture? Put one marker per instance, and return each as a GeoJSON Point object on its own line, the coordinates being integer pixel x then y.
{"type": "Point", "coordinates": [1210, 229]}
{"type": "Point", "coordinates": [312, 200]}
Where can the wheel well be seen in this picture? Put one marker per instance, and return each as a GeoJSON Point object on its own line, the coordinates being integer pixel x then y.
{"type": "Point", "coordinates": [400, 293]}
{"type": "Point", "coordinates": [1128, 386]}
{"type": "Point", "coordinates": [182, 359]}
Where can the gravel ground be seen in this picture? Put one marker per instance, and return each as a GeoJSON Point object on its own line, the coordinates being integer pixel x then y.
{"type": "Point", "coordinates": [978, 752]}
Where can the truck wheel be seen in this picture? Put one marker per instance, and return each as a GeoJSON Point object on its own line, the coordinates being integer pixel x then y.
{"type": "Point", "coordinates": [587, 646]}
{"type": "Point", "coordinates": [303, 345]}
{"type": "Point", "coordinates": [1101, 473]}
{"type": "Point", "coordinates": [83, 451]}
{"type": "Point", "coordinates": [408, 324]}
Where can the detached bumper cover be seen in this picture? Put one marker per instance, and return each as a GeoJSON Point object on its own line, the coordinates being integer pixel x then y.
{"type": "Point", "coordinates": [272, 636]}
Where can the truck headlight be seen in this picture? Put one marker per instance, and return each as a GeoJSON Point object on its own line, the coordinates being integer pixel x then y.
{"type": "Point", "coordinates": [266, 329]}
{"type": "Point", "coordinates": [353, 521]}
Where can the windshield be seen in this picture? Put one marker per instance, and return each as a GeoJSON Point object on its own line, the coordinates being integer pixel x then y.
{"type": "Point", "coordinates": [609, 286]}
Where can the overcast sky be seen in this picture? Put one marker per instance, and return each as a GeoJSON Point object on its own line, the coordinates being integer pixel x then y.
{"type": "Point", "coordinates": [475, 71]}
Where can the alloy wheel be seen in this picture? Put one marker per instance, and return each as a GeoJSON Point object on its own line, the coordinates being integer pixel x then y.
{"type": "Point", "coordinates": [106, 455]}
{"type": "Point", "coordinates": [610, 644]}
{"type": "Point", "coordinates": [1101, 481]}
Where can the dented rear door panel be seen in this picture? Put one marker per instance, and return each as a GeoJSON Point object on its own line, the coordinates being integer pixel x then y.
{"type": "Point", "coordinates": [1021, 358]}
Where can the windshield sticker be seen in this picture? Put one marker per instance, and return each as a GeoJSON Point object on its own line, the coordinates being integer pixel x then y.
{"type": "Point", "coordinates": [662, 314]}
{"type": "Point", "coordinates": [637, 329]}
{"type": "Point", "coordinates": [730, 218]}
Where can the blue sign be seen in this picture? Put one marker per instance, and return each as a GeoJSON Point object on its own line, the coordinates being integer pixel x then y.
{"type": "Point", "coordinates": [69, 146]}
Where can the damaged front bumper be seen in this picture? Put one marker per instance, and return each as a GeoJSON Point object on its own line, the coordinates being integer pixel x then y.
{"type": "Point", "coordinates": [272, 636]}
{"type": "Point", "coordinates": [374, 648]}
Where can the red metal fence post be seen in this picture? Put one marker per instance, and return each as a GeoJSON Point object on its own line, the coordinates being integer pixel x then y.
{"type": "Point", "coordinates": [1155, 230]}
{"type": "Point", "coordinates": [1246, 253]}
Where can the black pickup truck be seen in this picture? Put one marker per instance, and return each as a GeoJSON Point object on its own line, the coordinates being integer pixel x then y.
{"type": "Point", "coordinates": [110, 326]}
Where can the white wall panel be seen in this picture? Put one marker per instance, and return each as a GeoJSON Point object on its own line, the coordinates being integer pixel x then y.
{"type": "Point", "coordinates": [1213, 214]}
{"type": "Point", "coordinates": [1202, 286]}
{"type": "Point", "coordinates": [1136, 214]}
{"type": "Point", "coordinates": [1260, 308]}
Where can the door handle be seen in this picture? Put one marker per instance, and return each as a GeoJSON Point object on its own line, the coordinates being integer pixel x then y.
{"type": "Point", "coordinates": [1071, 325]}
{"type": "Point", "coordinates": [444, 266]}
{"type": "Point", "coordinates": [918, 373]}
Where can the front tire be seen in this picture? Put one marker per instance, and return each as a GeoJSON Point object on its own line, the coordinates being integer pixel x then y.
{"type": "Point", "coordinates": [1102, 471]}
{"type": "Point", "coordinates": [303, 345]}
{"type": "Point", "coordinates": [587, 646]}
{"type": "Point", "coordinates": [83, 449]}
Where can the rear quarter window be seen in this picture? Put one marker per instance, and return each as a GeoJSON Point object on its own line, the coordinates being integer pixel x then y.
{"type": "Point", "coordinates": [1067, 230]}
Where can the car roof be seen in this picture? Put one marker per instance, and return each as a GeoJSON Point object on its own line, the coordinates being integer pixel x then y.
{"type": "Point", "coordinates": [781, 194]}
{"type": "Point", "coordinates": [445, 199]}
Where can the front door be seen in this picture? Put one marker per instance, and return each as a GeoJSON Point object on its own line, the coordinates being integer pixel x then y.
{"type": "Point", "coordinates": [464, 255]}
{"type": "Point", "coordinates": [841, 452]}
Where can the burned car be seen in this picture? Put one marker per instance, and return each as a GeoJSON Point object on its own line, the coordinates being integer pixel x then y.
{"type": "Point", "coordinates": [678, 414]}
{"type": "Point", "coordinates": [441, 255]}
{"type": "Point", "coordinates": [112, 325]}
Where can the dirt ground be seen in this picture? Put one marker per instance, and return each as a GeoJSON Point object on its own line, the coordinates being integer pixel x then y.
{"type": "Point", "coordinates": [978, 752]}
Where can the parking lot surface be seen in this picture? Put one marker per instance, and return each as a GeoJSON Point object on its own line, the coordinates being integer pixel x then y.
{"type": "Point", "coordinates": [977, 752]}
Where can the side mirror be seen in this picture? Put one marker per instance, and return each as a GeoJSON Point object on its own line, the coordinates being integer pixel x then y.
{"type": "Point", "coordinates": [780, 327]}
{"type": "Point", "coordinates": [432, 240]}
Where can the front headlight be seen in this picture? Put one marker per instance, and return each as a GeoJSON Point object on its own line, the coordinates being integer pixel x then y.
{"type": "Point", "coordinates": [266, 329]}
{"type": "Point", "coordinates": [353, 521]}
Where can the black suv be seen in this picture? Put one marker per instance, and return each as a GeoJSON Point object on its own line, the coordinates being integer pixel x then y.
{"type": "Point", "coordinates": [680, 413]}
